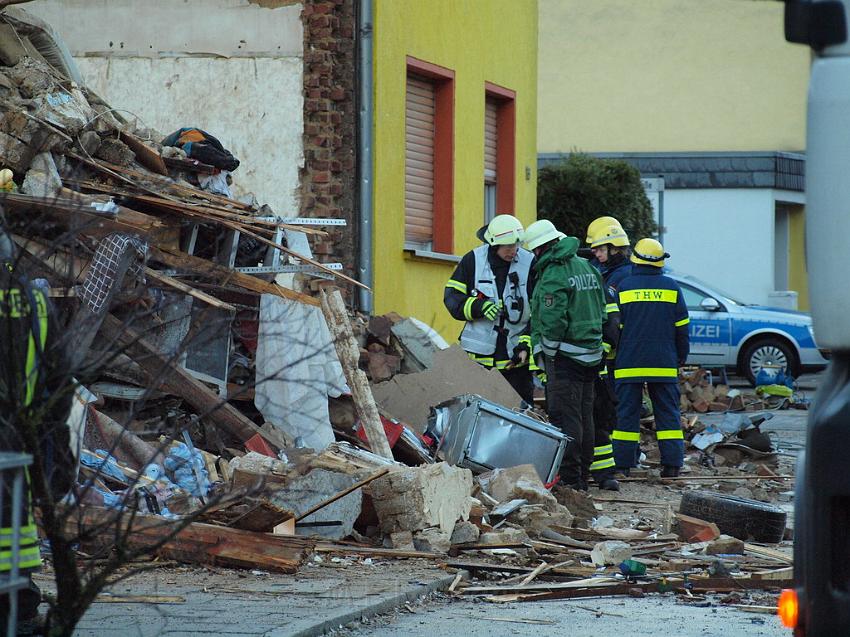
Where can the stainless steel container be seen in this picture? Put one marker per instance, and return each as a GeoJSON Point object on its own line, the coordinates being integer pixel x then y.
{"type": "Point", "coordinates": [481, 435]}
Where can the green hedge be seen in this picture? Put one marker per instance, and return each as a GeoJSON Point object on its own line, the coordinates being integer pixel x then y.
{"type": "Point", "coordinates": [576, 191]}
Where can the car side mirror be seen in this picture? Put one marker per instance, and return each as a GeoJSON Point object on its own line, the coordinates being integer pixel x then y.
{"type": "Point", "coordinates": [709, 304]}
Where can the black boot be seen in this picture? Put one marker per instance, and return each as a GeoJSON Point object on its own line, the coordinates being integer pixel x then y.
{"type": "Point", "coordinates": [669, 472]}
{"type": "Point", "coordinates": [609, 484]}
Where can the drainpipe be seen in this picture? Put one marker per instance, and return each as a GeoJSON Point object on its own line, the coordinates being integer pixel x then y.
{"type": "Point", "coordinates": [364, 154]}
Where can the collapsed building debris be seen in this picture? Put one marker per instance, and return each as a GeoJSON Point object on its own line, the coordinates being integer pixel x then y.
{"type": "Point", "coordinates": [213, 384]}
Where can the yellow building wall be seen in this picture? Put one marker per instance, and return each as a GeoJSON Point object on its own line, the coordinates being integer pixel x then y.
{"type": "Point", "coordinates": [482, 41]}
{"type": "Point", "coordinates": [669, 75]}
{"type": "Point", "coordinates": [797, 272]}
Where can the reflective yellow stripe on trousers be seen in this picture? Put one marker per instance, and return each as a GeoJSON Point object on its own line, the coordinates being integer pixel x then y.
{"type": "Point", "coordinates": [634, 372]}
{"type": "Point", "coordinates": [627, 436]}
{"type": "Point", "coordinates": [669, 434]}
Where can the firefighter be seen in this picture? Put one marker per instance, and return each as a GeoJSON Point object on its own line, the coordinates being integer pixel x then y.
{"type": "Point", "coordinates": [490, 291]}
{"type": "Point", "coordinates": [653, 345]}
{"type": "Point", "coordinates": [609, 244]}
{"type": "Point", "coordinates": [567, 308]}
{"type": "Point", "coordinates": [35, 398]}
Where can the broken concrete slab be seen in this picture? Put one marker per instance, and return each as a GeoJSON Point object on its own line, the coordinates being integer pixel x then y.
{"type": "Point", "coordinates": [115, 152]}
{"type": "Point", "coordinates": [610, 552]}
{"type": "Point", "coordinates": [520, 482]}
{"type": "Point", "coordinates": [535, 520]}
{"type": "Point", "coordinates": [465, 532]}
{"type": "Point", "coordinates": [416, 498]}
{"type": "Point", "coordinates": [304, 492]}
{"type": "Point", "coordinates": [409, 397]}
{"type": "Point", "coordinates": [42, 179]}
{"type": "Point", "coordinates": [725, 545]}
{"type": "Point", "coordinates": [400, 540]}
{"type": "Point", "coordinates": [418, 344]}
{"type": "Point", "coordinates": [578, 502]}
{"type": "Point", "coordinates": [432, 540]}
{"type": "Point", "coordinates": [504, 535]}
{"type": "Point", "coordinates": [14, 153]}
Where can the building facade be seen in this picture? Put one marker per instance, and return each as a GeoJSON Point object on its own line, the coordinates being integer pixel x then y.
{"type": "Point", "coordinates": [707, 96]}
{"type": "Point", "coordinates": [455, 140]}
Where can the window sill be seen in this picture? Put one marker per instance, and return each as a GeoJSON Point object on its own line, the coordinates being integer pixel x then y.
{"type": "Point", "coordinates": [428, 255]}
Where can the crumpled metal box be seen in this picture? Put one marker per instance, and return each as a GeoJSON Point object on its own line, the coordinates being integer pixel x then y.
{"type": "Point", "coordinates": [480, 435]}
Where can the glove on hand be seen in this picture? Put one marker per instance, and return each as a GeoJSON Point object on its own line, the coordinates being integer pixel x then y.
{"type": "Point", "coordinates": [491, 311]}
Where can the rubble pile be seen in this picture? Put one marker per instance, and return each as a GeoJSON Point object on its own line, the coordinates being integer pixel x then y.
{"type": "Point", "coordinates": [224, 382]}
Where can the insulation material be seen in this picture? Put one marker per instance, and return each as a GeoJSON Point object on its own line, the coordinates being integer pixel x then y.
{"type": "Point", "coordinates": [297, 369]}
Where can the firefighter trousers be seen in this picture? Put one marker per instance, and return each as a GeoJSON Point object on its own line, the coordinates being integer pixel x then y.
{"type": "Point", "coordinates": [668, 428]}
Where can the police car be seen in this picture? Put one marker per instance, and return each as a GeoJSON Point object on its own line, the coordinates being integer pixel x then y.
{"type": "Point", "coordinates": [727, 333]}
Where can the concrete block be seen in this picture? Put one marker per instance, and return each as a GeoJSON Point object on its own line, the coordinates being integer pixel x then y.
{"type": "Point", "coordinates": [505, 535]}
{"type": "Point", "coordinates": [610, 552]}
{"type": "Point", "coordinates": [465, 532]}
{"type": "Point", "coordinates": [521, 482]}
{"type": "Point", "coordinates": [416, 498]}
{"type": "Point", "coordinates": [725, 545]}
{"type": "Point", "coordinates": [401, 540]}
{"type": "Point", "coordinates": [42, 179]}
{"type": "Point", "coordinates": [432, 540]}
{"type": "Point", "coordinates": [316, 486]}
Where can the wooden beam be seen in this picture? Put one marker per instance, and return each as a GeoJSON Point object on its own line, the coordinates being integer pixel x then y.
{"type": "Point", "coordinates": [176, 380]}
{"type": "Point", "coordinates": [196, 543]}
{"type": "Point", "coordinates": [348, 352]}
{"type": "Point", "coordinates": [224, 276]}
{"type": "Point", "coordinates": [187, 289]}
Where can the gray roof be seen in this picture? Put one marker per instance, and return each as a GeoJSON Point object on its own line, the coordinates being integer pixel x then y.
{"type": "Point", "coordinates": [763, 169]}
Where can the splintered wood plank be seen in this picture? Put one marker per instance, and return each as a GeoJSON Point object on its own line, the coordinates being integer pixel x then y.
{"type": "Point", "coordinates": [224, 276]}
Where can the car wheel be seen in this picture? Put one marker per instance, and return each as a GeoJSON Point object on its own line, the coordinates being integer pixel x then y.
{"type": "Point", "coordinates": [739, 517]}
{"type": "Point", "coordinates": [770, 352]}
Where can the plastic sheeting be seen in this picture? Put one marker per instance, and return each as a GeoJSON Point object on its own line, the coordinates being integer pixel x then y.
{"type": "Point", "coordinates": [297, 369]}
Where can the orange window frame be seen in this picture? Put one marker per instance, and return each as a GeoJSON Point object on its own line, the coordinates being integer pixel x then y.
{"type": "Point", "coordinates": [505, 148]}
{"type": "Point", "coordinates": [444, 150]}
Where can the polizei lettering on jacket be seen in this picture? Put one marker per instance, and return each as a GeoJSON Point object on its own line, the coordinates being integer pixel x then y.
{"type": "Point", "coordinates": [582, 282]}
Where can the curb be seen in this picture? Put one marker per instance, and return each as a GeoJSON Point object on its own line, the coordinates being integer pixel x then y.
{"type": "Point", "coordinates": [378, 608]}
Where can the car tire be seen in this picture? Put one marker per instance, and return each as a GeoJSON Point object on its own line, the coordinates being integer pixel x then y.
{"type": "Point", "coordinates": [768, 350]}
{"type": "Point", "coordinates": [739, 517]}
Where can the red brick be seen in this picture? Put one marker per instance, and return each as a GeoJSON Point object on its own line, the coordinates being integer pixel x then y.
{"type": "Point", "coordinates": [320, 165]}
{"type": "Point", "coordinates": [335, 167]}
{"type": "Point", "coordinates": [319, 21]}
{"type": "Point", "coordinates": [321, 177]}
{"type": "Point", "coordinates": [338, 94]}
{"type": "Point", "coordinates": [696, 530]}
{"type": "Point", "coordinates": [313, 105]}
{"type": "Point", "coordinates": [323, 7]}
{"type": "Point", "coordinates": [346, 32]}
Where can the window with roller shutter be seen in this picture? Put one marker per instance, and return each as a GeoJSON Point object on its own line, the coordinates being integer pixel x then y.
{"type": "Point", "coordinates": [419, 161]}
{"type": "Point", "coordinates": [491, 143]}
{"type": "Point", "coordinates": [499, 150]}
{"type": "Point", "coordinates": [429, 157]}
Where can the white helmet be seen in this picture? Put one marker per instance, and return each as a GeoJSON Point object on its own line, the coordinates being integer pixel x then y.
{"type": "Point", "coordinates": [541, 232]}
{"type": "Point", "coordinates": [502, 230]}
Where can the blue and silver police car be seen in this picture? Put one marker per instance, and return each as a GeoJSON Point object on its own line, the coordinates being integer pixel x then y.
{"type": "Point", "coordinates": [745, 338]}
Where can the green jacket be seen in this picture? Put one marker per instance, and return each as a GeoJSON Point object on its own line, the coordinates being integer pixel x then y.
{"type": "Point", "coordinates": [568, 305]}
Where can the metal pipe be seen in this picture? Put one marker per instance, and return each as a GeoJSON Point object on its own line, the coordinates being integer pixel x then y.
{"type": "Point", "coordinates": [364, 156]}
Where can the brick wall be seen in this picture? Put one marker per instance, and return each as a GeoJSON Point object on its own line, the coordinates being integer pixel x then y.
{"type": "Point", "coordinates": [329, 176]}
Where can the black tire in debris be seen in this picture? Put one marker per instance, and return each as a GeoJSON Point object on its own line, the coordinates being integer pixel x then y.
{"type": "Point", "coordinates": [739, 517]}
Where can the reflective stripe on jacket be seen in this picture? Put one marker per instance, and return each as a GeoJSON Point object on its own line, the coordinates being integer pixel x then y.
{"type": "Point", "coordinates": [654, 338]}
{"type": "Point", "coordinates": [478, 335]}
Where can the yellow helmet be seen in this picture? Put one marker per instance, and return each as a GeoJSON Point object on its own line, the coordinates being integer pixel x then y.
{"type": "Point", "coordinates": [502, 230]}
{"type": "Point", "coordinates": [613, 234]}
{"type": "Point", "coordinates": [649, 252]}
{"type": "Point", "coordinates": [597, 224]}
{"type": "Point", "coordinates": [541, 232]}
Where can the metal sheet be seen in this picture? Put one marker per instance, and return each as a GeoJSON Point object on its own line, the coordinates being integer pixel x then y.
{"type": "Point", "coordinates": [482, 435]}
